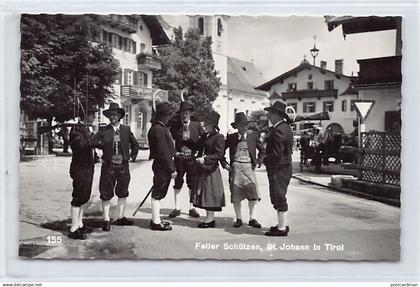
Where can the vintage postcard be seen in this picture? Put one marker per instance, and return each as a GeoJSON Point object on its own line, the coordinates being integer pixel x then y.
{"type": "Point", "coordinates": [210, 137]}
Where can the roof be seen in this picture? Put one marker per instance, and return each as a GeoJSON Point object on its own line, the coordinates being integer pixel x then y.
{"type": "Point", "coordinates": [243, 76]}
{"type": "Point", "coordinates": [304, 65]}
{"type": "Point", "coordinates": [352, 25]}
{"type": "Point", "coordinates": [351, 90]}
{"type": "Point", "coordinates": [157, 32]}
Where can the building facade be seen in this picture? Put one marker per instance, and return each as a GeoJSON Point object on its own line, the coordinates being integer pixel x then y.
{"type": "Point", "coordinates": [311, 90]}
{"type": "Point", "coordinates": [238, 77]}
{"type": "Point", "coordinates": [132, 39]}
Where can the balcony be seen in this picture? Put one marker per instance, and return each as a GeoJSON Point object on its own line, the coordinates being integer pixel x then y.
{"type": "Point", "coordinates": [380, 71]}
{"type": "Point", "coordinates": [124, 22]}
{"type": "Point", "coordinates": [147, 61]}
{"type": "Point", "coordinates": [304, 94]}
{"type": "Point", "coordinates": [137, 93]}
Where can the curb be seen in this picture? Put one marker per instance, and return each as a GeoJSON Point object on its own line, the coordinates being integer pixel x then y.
{"type": "Point", "coordinates": [351, 192]}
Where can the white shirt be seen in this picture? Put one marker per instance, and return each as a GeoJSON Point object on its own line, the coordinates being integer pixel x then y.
{"type": "Point", "coordinates": [117, 127]}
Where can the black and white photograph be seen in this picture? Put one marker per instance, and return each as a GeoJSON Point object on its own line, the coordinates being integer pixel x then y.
{"type": "Point", "coordinates": [226, 137]}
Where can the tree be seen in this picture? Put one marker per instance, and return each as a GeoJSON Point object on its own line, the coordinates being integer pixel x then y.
{"type": "Point", "coordinates": [259, 121]}
{"type": "Point", "coordinates": [188, 64]}
{"type": "Point", "coordinates": [64, 70]}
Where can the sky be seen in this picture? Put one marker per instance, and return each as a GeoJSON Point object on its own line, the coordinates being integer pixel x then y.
{"type": "Point", "coordinates": [277, 44]}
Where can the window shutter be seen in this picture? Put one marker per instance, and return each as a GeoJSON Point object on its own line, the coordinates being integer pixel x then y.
{"type": "Point", "coordinates": [125, 76]}
{"type": "Point", "coordinates": [145, 79]}
{"type": "Point", "coordinates": [135, 78]}
{"type": "Point", "coordinates": [134, 47]}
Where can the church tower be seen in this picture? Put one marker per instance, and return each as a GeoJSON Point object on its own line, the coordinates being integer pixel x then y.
{"type": "Point", "coordinates": [216, 27]}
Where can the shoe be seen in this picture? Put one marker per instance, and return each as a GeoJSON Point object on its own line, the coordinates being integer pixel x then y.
{"type": "Point", "coordinates": [193, 213]}
{"type": "Point", "coordinates": [161, 226]}
{"type": "Point", "coordinates": [175, 213]}
{"type": "Point", "coordinates": [106, 226]}
{"type": "Point", "coordinates": [166, 223]}
{"type": "Point", "coordinates": [254, 223]}
{"type": "Point", "coordinates": [274, 231]}
{"type": "Point", "coordinates": [77, 234]}
{"type": "Point", "coordinates": [122, 221]}
{"type": "Point", "coordinates": [274, 228]}
{"type": "Point", "coordinates": [238, 223]}
{"type": "Point", "coordinates": [85, 230]}
{"type": "Point", "coordinates": [210, 224]}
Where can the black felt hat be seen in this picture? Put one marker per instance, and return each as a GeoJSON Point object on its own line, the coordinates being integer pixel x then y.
{"type": "Point", "coordinates": [114, 107]}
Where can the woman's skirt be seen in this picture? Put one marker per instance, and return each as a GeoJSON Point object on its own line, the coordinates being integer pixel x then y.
{"type": "Point", "coordinates": [208, 193]}
{"type": "Point", "coordinates": [243, 183]}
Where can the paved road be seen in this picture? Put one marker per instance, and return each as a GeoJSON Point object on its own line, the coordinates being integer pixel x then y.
{"type": "Point", "coordinates": [325, 225]}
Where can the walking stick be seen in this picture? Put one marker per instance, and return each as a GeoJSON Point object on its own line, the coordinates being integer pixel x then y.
{"type": "Point", "coordinates": [141, 204]}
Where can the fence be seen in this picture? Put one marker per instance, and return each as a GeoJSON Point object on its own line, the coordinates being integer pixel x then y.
{"type": "Point", "coordinates": [380, 157]}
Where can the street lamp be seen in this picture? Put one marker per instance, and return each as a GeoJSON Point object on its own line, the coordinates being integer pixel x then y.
{"type": "Point", "coordinates": [314, 51]}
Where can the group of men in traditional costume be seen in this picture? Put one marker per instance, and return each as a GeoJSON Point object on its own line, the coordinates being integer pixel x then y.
{"type": "Point", "coordinates": [185, 148]}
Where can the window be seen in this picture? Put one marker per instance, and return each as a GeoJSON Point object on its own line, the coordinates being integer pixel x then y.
{"type": "Point", "coordinates": [120, 42]}
{"type": "Point", "coordinates": [142, 48]}
{"type": "Point", "coordinates": [139, 119]}
{"type": "Point", "coordinates": [129, 77]}
{"type": "Point", "coordinates": [294, 105]}
{"type": "Point", "coordinates": [344, 105]}
{"type": "Point", "coordinates": [246, 112]}
{"type": "Point", "coordinates": [219, 27]}
{"type": "Point", "coordinates": [310, 77]}
{"type": "Point", "coordinates": [114, 40]}
{"type": "Point", "coordinates": [292, 87]}
{"type": "Point", "coordinates": [310, 85]}
{"type": "Point", "coordinates": [309, 107]}
{"type": "Point", "coordinates": [328, 106]}
{"type": "Point", "coordinates": [135, 78]}
{"type": "Point", "coordinates": [201, 25]}
{"type": "Point", "coordinates": [235, 111]}
{"type": "Point", "coordinates": [352, 106]}
{"type": "Point", "coordinates": [145, 79]}
{"type": "Point", "coordinates": [329, 85]}
{"type": "Point", "coordinates": [119, 78]}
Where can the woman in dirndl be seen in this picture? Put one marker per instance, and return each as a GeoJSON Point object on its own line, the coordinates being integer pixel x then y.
{"type": "Point", "coordinates": [208, 192]}
{"type": "Point", "coordinates": [243, 146]}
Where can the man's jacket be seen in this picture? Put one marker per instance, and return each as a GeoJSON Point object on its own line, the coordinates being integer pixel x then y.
{"type": "Point", "coordinates": [104, 140]}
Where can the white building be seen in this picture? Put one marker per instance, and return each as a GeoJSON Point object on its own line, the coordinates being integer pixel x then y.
{"type": "Point", "coordinates": [132, 38]}
{"type": "Point", "coordinates": [239, 78]}
{"type": "Point", "coordinates": [311, 90]}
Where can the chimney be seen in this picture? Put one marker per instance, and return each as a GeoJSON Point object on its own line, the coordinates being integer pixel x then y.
{"type": "Point", "coordinates": [339, 66]}
{"type": "Point", "coordinates": [323, 65]}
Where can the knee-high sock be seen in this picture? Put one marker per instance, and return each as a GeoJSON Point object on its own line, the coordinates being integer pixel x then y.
{"type": "Point", "coordinates": [156, 211]}
{"type": "Point", "coordinates": [282, 220]}
{"type": "Point", "coordinates": [81, 216]}
{"type": "Point", "coordinates": [122, 203]}
{"type": "Point", "coordinates": [106, 206]}
{"type": "Point", "coordinates": [191, 204]}
{"type": "Point", "coordinates": [177, 191]}
{"type": "Point", "coordinates": [74, 218]}
{"type": "Point", "coordinates": [252, 204]}
{"type": "Point", "coordinates": [209, 216]}
{"type": "Point", "coordinates": [237, 206]}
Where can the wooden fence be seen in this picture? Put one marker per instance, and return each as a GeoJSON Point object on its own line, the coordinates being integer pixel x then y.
{"type": "Point", "coordinates": [380, 157]}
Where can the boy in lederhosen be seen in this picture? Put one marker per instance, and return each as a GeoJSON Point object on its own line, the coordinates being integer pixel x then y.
{"type": "Point", "coordinates": [243, 146]}
{"type": "Point", "coordinates": [162, 151]}
{"type": "Point", "coordinates": [118, 145]}
{"type": "Point", "coordinates": [186, 134]}
{"type": "Point", "coordinates": [81, 171]}
{"type": "Point", "coordinates": [278, 162]}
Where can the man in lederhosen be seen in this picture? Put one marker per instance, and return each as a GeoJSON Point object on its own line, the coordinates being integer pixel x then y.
{"type": "Point", "coordinates": [278, 161]}
{"type": "Point", "coordinates": [118, 145]}
{"type": "Point", "coordinates": [162, 151]}
{"type": "Point", "coordinates": [243, 146]}
{"type": "Point", "coordinates": [186, 134]}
